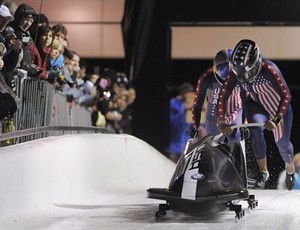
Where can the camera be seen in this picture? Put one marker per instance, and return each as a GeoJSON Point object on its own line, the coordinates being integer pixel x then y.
{"type": "Point", "coordinates": [9, 32]}
{"type": "Point", "coordinates": [34, 70]}
{"type": "Point", "coordinates": [10, 38]}
{"type": "Point", "coordinates": [55, 75]}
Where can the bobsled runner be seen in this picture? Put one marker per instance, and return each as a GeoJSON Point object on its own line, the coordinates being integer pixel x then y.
{"type": "Point", "coordinates": [210, 177]}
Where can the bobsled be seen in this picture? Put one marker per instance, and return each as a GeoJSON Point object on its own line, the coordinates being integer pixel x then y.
{"type": "Point", "coordinates": [210, 177]}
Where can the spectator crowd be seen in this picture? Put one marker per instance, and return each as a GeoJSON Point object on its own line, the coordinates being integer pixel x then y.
{"type": "Point", "coordinates": [29, 43]}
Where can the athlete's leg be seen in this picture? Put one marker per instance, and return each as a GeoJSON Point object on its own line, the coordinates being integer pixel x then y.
{"type": "Point", "coordinates": [236, 135]}
{"type": "Point", "coordinates": [285, 146]}
{"type": "Point", "coordinates": [255, 113]}
{"type": "Point", "coordinates": [286, 149]}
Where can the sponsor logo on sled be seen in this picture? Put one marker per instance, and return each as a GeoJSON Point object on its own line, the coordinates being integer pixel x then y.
{"type": "Point", "coordinates": [196, 158]}
{"type": "Point", "coordinates": [198, 176]}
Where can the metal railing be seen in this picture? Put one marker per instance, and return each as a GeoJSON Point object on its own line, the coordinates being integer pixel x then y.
{"type": "Point", "coordinates": [41, 132]}
{"type": "Point", "coordinates": [43, 111]}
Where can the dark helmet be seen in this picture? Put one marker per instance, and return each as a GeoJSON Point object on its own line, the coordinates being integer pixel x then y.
{"type": "Point", "coordinates": [246, 60]}
{"type": "Point", "coordinates": [222, 65]}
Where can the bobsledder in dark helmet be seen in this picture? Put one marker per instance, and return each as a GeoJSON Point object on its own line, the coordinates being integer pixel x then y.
{"type": "Point", "coordinates": [209, 177]}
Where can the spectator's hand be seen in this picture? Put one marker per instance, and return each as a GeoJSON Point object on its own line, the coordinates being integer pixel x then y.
{"type": "Point", "coordinates": [34, 71]}
{"type": "Point", "coordinates": [94, 92]}
{"type": "Point", "coordinates": [269, 125]}
{"type": "Point", "coordinates": [15, 44]}
{"type": "Point", "coordinates": [118, 117]}
{"type": "Point", "coordinates": [114, 116]}
{"type": "Point", "coordinates": [52, 76]}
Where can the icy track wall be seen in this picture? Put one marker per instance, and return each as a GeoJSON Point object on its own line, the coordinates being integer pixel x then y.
{"type": "Point", "coordinates": [77, 169]}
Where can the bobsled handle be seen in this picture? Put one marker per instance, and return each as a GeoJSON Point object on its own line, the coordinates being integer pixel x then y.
{"type": "Point", "coordinates": [217, 137]}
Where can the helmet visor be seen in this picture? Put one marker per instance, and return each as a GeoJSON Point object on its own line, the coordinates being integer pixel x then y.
{"type": "Point", "coordinates": [241, 74]}
{"type": "Point", "coordinates": [223, 69]}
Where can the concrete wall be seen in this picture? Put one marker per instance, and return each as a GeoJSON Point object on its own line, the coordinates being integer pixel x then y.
{"type": "Point", "coordinates": [204, 42]}
{"type": "Point", "coordinates": [94, 28]}
{"type": "Point", "coordinates": [95, 32]}
{"type": "Point", "coordinates": [77, 169]}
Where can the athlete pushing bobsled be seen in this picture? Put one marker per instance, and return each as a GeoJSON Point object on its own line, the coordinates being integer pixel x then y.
{"type": "Point", "coordinates": [266, 98]}
{"type": "Point", "coordinates": [210, 175]}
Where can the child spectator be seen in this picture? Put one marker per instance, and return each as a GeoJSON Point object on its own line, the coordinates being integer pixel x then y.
{"type": "Point", "coordinates": [67, 70]}
{"type": "Point", "coordinates": [60, 32]}
{"type": "Point", "coordinates": [55, 63]}
{"type": "Point", "coordinates": [56, 57]}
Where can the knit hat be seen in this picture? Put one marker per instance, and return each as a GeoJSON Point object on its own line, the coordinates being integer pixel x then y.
{"type": "Point", "coordinates": [186, 88]}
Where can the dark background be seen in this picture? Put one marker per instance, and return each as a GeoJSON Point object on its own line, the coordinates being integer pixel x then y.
{"type": "Point", "coordinates": [148, 64]}
{"type": "Point", "coordinates": [189, 70]}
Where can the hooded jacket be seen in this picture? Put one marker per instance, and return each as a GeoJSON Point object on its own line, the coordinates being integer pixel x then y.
{"type": "Point", "coordinates": [21, 12]}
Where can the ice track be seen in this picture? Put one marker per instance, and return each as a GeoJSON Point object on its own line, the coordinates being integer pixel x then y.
{"type": "Point", "coordinates": [99, 181]}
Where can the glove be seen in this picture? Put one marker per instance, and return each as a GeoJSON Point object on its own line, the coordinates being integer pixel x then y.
{"type": "Point", "coordinates": [34, 71]}
{"type": "Point", "coordinates": [272, 124]}
{"type": "Point", "coordinates": [193, 132]}
{"type": "Point", "coordinates": [269, 125]}
{"type": "Point", "coordinates": [225, 129]}
{"type": "Point", "coordinates": [52, 76]}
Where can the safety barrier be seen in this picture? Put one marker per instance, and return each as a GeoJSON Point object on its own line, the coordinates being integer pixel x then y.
{"type": "Point", "coordinates": [37, 177]}
{"type": "Point", "coordinates": [40, 105]}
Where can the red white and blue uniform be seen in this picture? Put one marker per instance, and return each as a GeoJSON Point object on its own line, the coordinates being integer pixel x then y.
{"type": "Point", "coordinates": [208, 87]}
{"type": "Point", "coordinates": [264, 98]}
